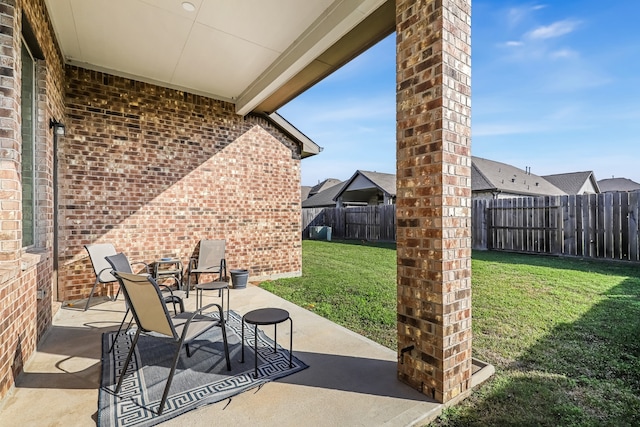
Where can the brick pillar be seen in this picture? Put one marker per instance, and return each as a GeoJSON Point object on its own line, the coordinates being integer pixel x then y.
{"type": "Point", "coordinates": [434, 195]}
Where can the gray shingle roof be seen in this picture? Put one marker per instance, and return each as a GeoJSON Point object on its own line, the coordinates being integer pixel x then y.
{"type": "Point", "coordinates": [385, 181]}
{"type": "Point", "coordinates": [571, 183]}
{"type": "Point", "coordinates": [304, 192]}
{"type": "Point", "coordinates": [323, 185]}
{"type": "Point", "coordinates": [618, 184]}
{"type": "Point", "coordinates": [489, 175]}
{"type": "Point", "coordinates": [486, 175]}
{"type": "Point", "coordinates": [324, 198]}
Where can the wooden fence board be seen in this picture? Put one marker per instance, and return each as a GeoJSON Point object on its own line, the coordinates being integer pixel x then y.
{"type": "Point", "coordinates": [633, 225]}
{"type": "Point", "coordinates": [624, 222]}
{"type": "Point", "coordinates": [539, 225]}
{"type": "Point", "coordinates": [607, 208]}
{"type": "Point", "coordinates": [530, 247]}
{"type": "Point", "coordinates": [600, 224]}
{"type": "Point", "coordinates": [616, 227]}
{"type": "Point", "coordinates": [479, 224]}
{"type": "Point", "coordinates": [569, 224]}
{"type": "Point", "coordinates": [509, 231]}
{"type": "Point", "coordinates": [555, 225]}
{"type": "Point", "coordinates": [591, 226]}
{"type": "Point", "coordinates": [584, 220]}
{"type": "Point", "coordinates": [519, 202]}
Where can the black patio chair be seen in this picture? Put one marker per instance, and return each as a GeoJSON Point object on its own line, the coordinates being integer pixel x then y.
{"type": "Point", "coordinates": [153, 319]}
{"type": "Point", "coordinates": [120, 262]}
{"type": "Point", "coordinates": [211, 259]}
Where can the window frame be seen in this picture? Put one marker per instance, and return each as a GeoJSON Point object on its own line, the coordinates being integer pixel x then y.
{"type": "Point", "coordinates": [28, 240]}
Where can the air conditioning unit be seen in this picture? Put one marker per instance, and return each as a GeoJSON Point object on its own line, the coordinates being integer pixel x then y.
{"type": "Point", "coordinates": [320, 233]}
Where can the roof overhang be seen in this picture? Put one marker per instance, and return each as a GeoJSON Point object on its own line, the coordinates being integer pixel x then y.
{"type": "Point", "coordinates": [309, 148]}
{"type": "Point", "coordinates": [361, 187]}
{"type": "Point", "coordinates": [258, 55]}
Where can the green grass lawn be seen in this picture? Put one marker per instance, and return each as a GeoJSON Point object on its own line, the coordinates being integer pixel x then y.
{"type": "Point", "coordinates": [563, 334]}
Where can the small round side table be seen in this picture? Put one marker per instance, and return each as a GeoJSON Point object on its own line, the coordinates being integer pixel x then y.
{"type": "Point", "coordinates": [267, 316]}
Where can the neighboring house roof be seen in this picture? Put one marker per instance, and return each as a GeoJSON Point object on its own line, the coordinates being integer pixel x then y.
{"type": "Point", "coordinates": [486, 176]}
{"type": "Point", "coordinates": [478, 181]}
{"type": "Point", "coordinates": [323, 185]}
{"type": "Point", "coordinates": [304, 192]}
{"type": "Point", "coordinates": [363, 181]}
{"type": "Point", "coordinates": [384, 181]}
{"type": "Point", "coordinates": [489, 175]}
{"type": "Point", "coordinates": [618, 184]}
{"type": "Point", "coordinates": [324, 198]}
{"type": "Point", "coordinates": [575, 182]}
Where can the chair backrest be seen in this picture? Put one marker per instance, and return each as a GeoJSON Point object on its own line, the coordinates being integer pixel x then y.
{"type": "Point", "coordinates": [146, 303]}
{"type": "Point", "coordinates": [119, 262]}
{"type": "Point", "coordinates": [97, 253]}
{"type": "Point", "coordinates": [211, 253]}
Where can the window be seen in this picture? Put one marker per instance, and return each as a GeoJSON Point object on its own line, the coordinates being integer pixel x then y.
{"type": "Point", "coordinates": [28, 105]}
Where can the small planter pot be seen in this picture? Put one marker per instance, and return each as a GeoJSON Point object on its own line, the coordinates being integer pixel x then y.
{"type": "Point", "coordinates": [239, 278]}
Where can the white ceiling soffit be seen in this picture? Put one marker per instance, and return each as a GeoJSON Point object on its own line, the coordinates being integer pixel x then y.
{"type": "Point", "coordinates": [242, 51]}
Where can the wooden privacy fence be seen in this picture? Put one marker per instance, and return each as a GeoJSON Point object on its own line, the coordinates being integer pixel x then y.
{"type": "Point", "coordinates": [593, 225]}
{"type": "Point", "coordinates": [376, 223]}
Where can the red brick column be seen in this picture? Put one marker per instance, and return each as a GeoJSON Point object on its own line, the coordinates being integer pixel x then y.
{"type": "Point", "coordinates": [434, 195]}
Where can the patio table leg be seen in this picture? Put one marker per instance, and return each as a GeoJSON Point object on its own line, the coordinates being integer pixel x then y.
{"type": "Point", "coordinates": [255, 350]}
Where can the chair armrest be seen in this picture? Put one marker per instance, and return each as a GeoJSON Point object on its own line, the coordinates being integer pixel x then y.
{"type": "Point", "coordinates": [173, 278]}
{"type": "Point", "coordinates": [199, 312]}
{"type": "Point", "coordinates": [102, 271]}
{"type": "Point", "coordinates": [201, 309]}
{"type": "Point", "coordinates": [146, 266]}
{"type": "Point", "coordinates": [223, 267]}
{"type": "Point", "coordinates": [165, 287]}
{"type": "Point", "coordinates": [193, 263]}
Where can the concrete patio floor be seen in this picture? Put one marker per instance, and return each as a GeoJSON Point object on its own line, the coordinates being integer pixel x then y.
{"type": "Point", "coordinates": [351, 380]}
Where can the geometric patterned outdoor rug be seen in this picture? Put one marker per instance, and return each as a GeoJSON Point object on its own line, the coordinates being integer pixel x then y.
{"type": "Point", "coordinates": [199, 380]}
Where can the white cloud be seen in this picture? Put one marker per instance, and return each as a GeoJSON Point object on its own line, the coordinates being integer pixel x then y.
{"type": "Point", "coordinates": [564, 53]}
{"type": "Point", "coordinates": [557, 29]}
{"type": "Point", "coordinates": [513, 43]}
{"type": "Point", "coordinates": [516, 15]}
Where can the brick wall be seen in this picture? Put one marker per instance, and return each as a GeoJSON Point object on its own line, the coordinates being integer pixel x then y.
{"type": "Point", "coordinates": [23, 271]}
{"type": "Point", "coordinates": [434, 196]}
{"type": "Point", "coordinates": [154, 170]}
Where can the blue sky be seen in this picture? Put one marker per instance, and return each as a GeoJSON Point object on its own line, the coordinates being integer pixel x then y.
{"type": "Point", "coordinates": [555, 87]}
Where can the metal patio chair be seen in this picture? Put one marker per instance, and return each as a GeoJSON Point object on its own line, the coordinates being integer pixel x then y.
{"type": "Point", "coordinates": [120, 262]}
{"type": "Point", "coordinates": [153, 320]}
{"type": "Point", "coordinates": [211, 259]}
{"type": "Point", "coordinates": [97, 253]}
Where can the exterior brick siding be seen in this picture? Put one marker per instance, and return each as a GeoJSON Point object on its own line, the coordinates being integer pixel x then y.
{"type": "Point", "coordinates": [154, 170]}
{"type": "Point", "coordinates": [23, 318]}
{"type": "Point", "coordinates": [434, 196]}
